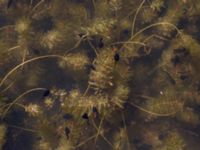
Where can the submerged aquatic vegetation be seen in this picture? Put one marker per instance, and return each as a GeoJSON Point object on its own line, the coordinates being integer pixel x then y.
{"type": "Point", "coordinates": [75, 62]}
{"type": "Point", "coordinates": [126, 72]}
{"type": "Point", "coordinates": [157, 5]}
{"type": "Point", "coordinates": [51, 39]}
{"type": "Point", "coordinates": [121, 140]}
{"type": "Point", "coordinates": [33, 109]}
{"type": "Point", "coordinates": [173, 141]}
{"type": "Point", "coordinates": [2, 135]}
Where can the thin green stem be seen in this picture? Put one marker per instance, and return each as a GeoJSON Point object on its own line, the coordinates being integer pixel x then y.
{"type": "Point", "coordinates": [10, 85]}
{"type": "Point", "coordinates": [21, 105]}
{"type": "Point", "coordinates": [19, 97]}
{"type": "Point", "coordinates": [135, 17]}
{"type": "Point", "coordinates": [144, 96]}
{"type": "Point", "coordinates": [99, 128]}
{"type": "Point", "coordinates": [84, 142]}
{"type": "Point", "coordinates": [22, 128]}
{"type": "Point", "coordinates": [7, 26]}
{"type": "Point", "coordinates": [77, 43]}
{"type": "Point", "coordinates": [155, 35]}
{"type": "Point", "coordinates": [98, 133]}
{"type": "Point", "coordinates": [29, 61]}
{"type": "Point", "coordinates": [13, 48]}
{"type": "Point", "coordinates": [152, 113]}
{"type": "Point", "coordinates": [92, 46]}
{"type": "Point", "coordinates": [151, 26]}
{"type": "Point", "coordinates": [154, 25]}
{"type": "Point", "coordinates": [127, 138]}
{"type": "Point", "coordinates": [94, 5]}
{"type": "Point", "coordinates": [129, 42]}
{"type": "Point", "coordinates": [37, 5]}
{"type": "Point", "coordinates": [86, 91]}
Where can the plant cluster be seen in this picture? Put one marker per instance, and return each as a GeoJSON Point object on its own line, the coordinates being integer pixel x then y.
{"type": "Point", "coordinates": [99, 74]}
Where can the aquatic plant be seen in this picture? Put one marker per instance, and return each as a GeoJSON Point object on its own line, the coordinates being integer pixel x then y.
{"type": "Point", "coordinates": [157, 5]}
{"type": "Point", "coordinates": [76, 62]}
{"type": "Point", "coordinates": [2, 135]}
{"type": "Point", "coordinates": [98, 74]}
{"type": "Point", "coordinates": [173, 141]}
